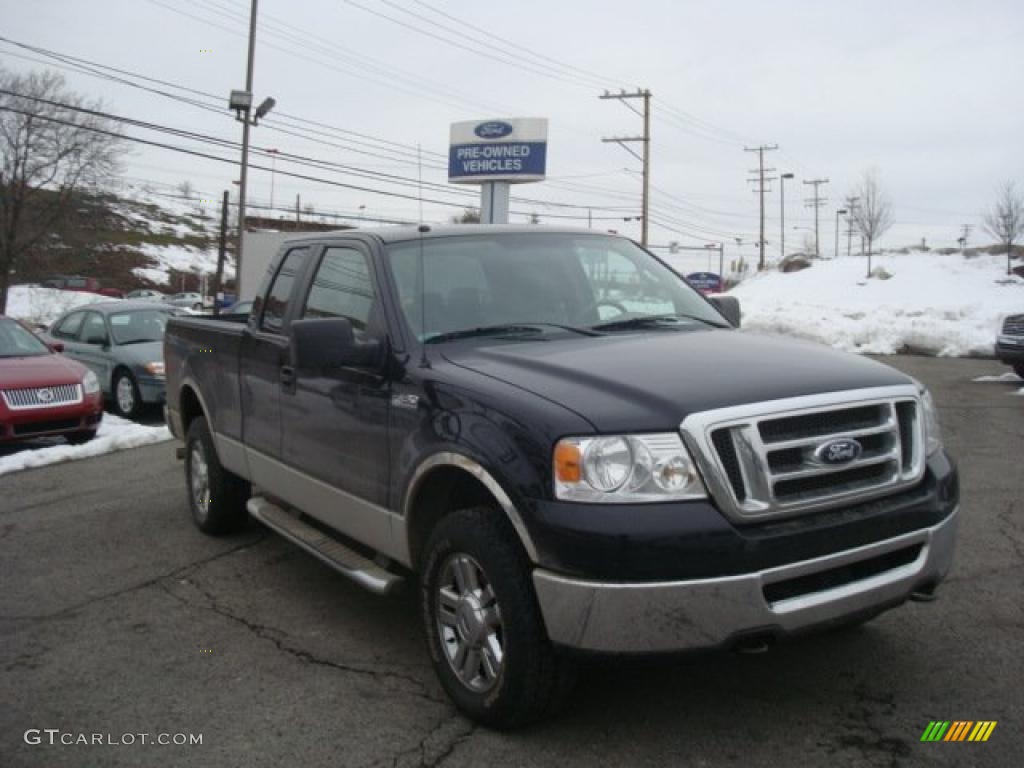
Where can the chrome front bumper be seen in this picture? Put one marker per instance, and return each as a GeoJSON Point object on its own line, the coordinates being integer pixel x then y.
{"type": "Point", "coordinates": [709, 613]}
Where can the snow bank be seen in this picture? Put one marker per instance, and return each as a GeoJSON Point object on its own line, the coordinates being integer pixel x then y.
{"type": "Point", "coordinates": [183, 258]}
{"type": "Point", "coordinates": [942, 305]}
{"type": "Point", "coordinates": [115, 434]}
{"type": "Point", "coordinates": [35, 304]}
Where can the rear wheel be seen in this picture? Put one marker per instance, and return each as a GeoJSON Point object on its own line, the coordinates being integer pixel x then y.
{"type": "Point", "coordinates": [484, 629]}
{"type": "Point", "coordinates": [216, 497]}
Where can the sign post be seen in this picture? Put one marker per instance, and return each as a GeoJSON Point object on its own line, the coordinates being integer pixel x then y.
{"type": "Point", "coordinates": [496, 154]}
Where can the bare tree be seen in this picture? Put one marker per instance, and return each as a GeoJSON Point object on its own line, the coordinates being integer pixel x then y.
{"type": "Point", "coordinates": [1005, 220]}
{"type": "Point", "coordinates": [468, 216]}
{"type": "Point", "coordinates": [872, 216]}
{"type": "Point", "coordinates": [49, 154]}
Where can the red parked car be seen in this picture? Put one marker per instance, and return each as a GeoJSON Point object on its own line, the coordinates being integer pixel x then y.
{"type": "Point", "coordinates": [42, 392]}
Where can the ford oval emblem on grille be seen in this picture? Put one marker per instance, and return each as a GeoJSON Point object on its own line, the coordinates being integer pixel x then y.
{"type": "Point", "coordinates": [842, 450]}
{"type": "Point", "coordinates": [495, 129]}
{"type": "Point", "coordinates": [45, 395]}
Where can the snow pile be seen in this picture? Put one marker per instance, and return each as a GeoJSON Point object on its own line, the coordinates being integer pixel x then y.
{"type": "Point", "coordinates": [35, 304]}
{"type": "Point", "coordinates": [945, 305]}
{"type": "Point", "coordinates": [1007, 377]}
{"type": "Point", "coordinates": [183, 258]}
{"type": "Point", "coordinates": [115, 434]}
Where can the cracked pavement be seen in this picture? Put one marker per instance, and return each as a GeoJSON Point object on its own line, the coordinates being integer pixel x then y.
{"type": "Point", "coordinates": [117, 616]}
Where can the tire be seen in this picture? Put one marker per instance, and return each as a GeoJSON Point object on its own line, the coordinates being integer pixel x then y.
{"type": "Point", "coordinates": [216, 497]}
{"type": "Point", "coordinates": [197, 307]}
{"type": "Point", "coordinates": [78, 438]}
{"type": "Point", "coordinates": [1018, 368]}
{"type": "Point", "coordinates": [125, 391]}
{"type": "Point", "coordinates": [496, 610]}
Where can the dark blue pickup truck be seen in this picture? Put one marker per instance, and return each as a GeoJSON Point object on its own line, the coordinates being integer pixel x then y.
{"type": "Point", "coordinates": [565, 446]}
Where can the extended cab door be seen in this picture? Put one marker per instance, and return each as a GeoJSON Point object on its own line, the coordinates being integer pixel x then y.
{"type": "Point", "coordinates": [264, 358]}
{"type": "Point", "coordinates": [336, 420]}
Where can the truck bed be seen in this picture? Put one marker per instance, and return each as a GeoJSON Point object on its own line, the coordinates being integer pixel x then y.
{"type": "Point", "coordinates": [206, 352]}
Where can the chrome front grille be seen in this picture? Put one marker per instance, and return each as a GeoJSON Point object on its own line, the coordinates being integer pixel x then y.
{"type": "Point", "coordinates": [42, 397]}
{"type": "Point", "coordinates": [1014, 325]}
{"type": "Point", "coordinates": [775, 459]}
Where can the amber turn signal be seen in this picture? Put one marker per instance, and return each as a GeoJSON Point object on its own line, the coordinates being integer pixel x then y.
{"type": "Point", "coordinates": [568, 462]}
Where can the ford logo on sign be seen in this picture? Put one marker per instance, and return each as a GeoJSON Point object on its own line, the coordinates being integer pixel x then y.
{"type": "Point", "coordinates": [840, 451]}
{"type": "Point", "coordinates": [493, 130]}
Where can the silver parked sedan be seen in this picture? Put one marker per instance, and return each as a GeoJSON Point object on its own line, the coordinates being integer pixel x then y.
{"type": "Point", "coordinates": [122, 342]}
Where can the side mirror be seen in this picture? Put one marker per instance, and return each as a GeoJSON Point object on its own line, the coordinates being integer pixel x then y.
{"type": "Point", "coordinates": [323, 343]}
{"type": "Point", "coordinates": [56, 346]}
{"type": "Point", "coordinates": [729, 306]}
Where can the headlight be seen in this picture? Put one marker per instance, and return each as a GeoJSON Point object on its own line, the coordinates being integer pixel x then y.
{"type": "Point", "coordinates": [618, 469]}
{"type": "Point", "coordinates": [932, 432]}
{"type": "Point", "coordinates": [154, 369]}
{"type": "Point", "coordinates": [90, 384]}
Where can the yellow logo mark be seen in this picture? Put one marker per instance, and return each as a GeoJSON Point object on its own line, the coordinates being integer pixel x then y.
{"type": "Point", "coordinates": [959, 730]}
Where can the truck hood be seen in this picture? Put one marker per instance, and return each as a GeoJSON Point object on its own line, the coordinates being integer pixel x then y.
{"type": "Point", "coordinates": [652, 381]}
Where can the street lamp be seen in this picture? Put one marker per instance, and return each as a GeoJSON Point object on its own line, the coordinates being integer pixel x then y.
{"type": "Point", "coordinates": [720, 247]}
{"type": "Point", "coordinates": [782, 212]}
{"type": "Point", "coordinates": [840, 212]}
{"type": "Point", "coordinates": [241, 103]}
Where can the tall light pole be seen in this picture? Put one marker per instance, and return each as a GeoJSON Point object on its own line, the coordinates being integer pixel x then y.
{"type": "Point", "coordinates": [782, 212]}
{"type": "Point", "coordinates": [241, 103]}
{"type": "Point", "coordinates": [840, 212]}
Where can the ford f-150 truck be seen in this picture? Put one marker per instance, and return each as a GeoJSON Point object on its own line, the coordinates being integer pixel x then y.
{"type": "Point", "coordinates": [565, 446]}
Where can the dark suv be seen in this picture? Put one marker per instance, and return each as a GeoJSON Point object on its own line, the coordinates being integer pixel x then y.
{"type": "Point", "coordinates": [1010, 343]}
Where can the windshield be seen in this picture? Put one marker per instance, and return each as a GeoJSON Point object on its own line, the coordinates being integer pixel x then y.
{"type": "Point", "coordinates": [15, 341]}
{"type": "Point", "coordinates": [537, 278]}
{"type": "Point", "coordinates": [135, 327]}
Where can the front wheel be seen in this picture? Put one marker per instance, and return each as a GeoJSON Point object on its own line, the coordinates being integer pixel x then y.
{"type": "Point", "coordinates": [127, 400]}
{"type": "Point", "coordinates": [216, 497]}
{"type": "Point", "coordinates": [484, 630]}
{"type": "Point", "coordinates": [78, 438]}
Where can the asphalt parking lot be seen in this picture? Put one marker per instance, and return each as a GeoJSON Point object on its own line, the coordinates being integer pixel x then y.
{"type": "Point", "coordinates": [118, 617]}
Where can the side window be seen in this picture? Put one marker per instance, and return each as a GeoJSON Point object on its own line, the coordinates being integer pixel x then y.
{"type": "Point", "coordinates": [342, 287]}
{"type": "Point", "coordinates": [276, 305]}
{"type": "Point", "coordinates": [94, 329]}
{"type": "Point", "coordinates": [69, 326]}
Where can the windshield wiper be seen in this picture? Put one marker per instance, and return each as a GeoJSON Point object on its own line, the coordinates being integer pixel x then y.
{"type": "Point", "coordinates": [509, 328]}
{"type": "Point", "coordinates": [649, 320]}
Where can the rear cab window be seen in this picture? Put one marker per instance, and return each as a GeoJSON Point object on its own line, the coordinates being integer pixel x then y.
{"type": "Point", "coordinates": [275, 306]}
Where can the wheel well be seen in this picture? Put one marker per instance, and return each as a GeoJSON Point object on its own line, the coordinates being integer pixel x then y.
{"type": "Point", "coordinates": [444, 490]}
{"type": "Point", "coordinates": [190, 407]}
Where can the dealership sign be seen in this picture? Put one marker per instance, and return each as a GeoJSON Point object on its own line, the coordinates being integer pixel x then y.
{"type": "Point", "coordinates": [513, 150]}
{"type": "Point", "coordinates": [705, 282]}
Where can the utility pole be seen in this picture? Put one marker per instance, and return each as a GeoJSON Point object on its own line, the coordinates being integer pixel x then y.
{"type": "Point", "coordinates": [298, 203]}
{"type": "Point", "coordinates": [246, 125]}
{"type": "Point", "coordinates": [782, 212]}
{"type": "Point", "coordinates": [839, 212]}
{"type": "Point", "coordinates": [851, 209]}
{"type": "Point", "coordinates": [816, 202]}
{"type": "Point", "coordinates": [623, 96]}
{"type": "Point", "coordinates": [222, 252]}
{"type": "Point", "coordinates": [965, 232]}
{"type": "Point", "coordinates": [760, 171]}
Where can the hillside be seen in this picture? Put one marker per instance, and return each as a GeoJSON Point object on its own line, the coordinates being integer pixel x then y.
{"type": "Point", "coordinates": [135, 239]}
{"type": "Point", "coordinates": [948, 304]}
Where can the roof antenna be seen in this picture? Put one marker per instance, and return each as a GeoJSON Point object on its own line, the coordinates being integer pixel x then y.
{"type": "Point", "coordinates": [424, 362]}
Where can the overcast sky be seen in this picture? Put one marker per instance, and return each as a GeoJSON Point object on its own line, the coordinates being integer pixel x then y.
{"type": "Point", "coordinates": [927, 93]}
